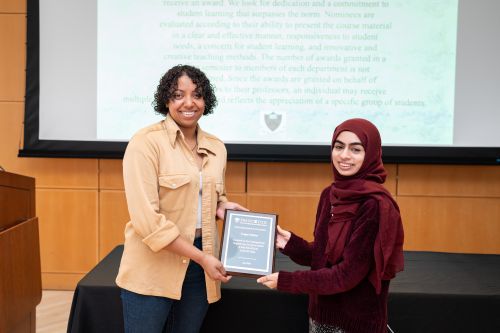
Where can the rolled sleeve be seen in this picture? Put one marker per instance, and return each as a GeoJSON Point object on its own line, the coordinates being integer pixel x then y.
{"type": "Point", "coordinates": [162, 236]}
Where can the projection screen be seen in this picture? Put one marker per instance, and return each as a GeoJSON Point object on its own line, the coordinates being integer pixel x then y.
{"type": "Point", "coordinates": [285, 72]}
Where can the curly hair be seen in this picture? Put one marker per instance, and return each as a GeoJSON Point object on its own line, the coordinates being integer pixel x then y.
{"type": "Point", "coordinates": [168, 85]}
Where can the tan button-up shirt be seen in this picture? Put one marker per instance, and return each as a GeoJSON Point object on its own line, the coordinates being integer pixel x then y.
{"type": "Point", "coordinates": [162, 184]}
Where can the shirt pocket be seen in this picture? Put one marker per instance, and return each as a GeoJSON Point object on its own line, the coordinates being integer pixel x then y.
{"type": "Point", "coordinates": [174, 191]}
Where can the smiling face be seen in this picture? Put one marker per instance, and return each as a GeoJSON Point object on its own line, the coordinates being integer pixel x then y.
{"type": "Point", "coordinates": [348, 154]}
{"type": "Point", "coordinates": [186, 105]}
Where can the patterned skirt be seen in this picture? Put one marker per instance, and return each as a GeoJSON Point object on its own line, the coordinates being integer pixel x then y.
{"type": "Point", "coordinates": [315, 327]}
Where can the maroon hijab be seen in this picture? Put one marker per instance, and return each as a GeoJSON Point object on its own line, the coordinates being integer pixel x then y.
{"type": "Point", "coordinates": [347, 193]}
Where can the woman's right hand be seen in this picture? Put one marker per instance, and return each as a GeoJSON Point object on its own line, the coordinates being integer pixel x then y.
{"type": "Point", "coordinates": [213, 267]}
{"type": "Point", "coordinates": [282, 237]}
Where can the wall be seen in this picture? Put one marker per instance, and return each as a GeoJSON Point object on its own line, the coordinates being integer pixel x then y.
{"type": "Point", "coordinates": [82, 211]}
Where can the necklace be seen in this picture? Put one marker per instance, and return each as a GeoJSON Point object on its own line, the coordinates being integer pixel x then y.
{"type": "Point", "coordinates": [195, 141]}
{"type": "Point", "coordinates": [194, 147]}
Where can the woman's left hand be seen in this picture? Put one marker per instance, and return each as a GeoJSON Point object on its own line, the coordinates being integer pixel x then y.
{"type": "Point", "coordinates": [270, 281]}
{"type": "Point", "coordinates": [222, 206]}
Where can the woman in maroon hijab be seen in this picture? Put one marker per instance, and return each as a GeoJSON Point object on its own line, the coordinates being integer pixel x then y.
{"type": "Point", "coordinates": [358, 240]}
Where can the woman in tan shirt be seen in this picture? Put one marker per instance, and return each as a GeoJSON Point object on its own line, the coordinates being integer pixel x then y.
{"type": "Point", "coordinates": [174, 183]}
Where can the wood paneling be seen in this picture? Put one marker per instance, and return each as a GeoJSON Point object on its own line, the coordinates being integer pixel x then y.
{"type": "Point", "coordinates": [449, 180]}
{"type": "Point", "coordinates": [110, 174]}
{"type": "Point", "coordinates": [61, 281]}
{"type": "Point", "coordinates": [113, 216]}
{"type": "Point", "coordinates": [12, 56]}
{"type": "Point", "coordinates": [11, 124]}
{"type": "Point", "coordinates": [296, 212]}
{"type": "Point", "coordinates": [236, 176]}
{"type": "Point", "coordinates": [68, 230]}
{"type": "Point", "coordinates": [288, 177]}
{"type": "Point", "coordinates": [468, 225]}
{"type": "Point", "coordinates": [290, 190]}
{"type": "Point", "coordinates": [300, 177]}
{"type": "Point", "coordinates": [12, 6]}
{"type": "Point", "coordinates": [71, 173]}
{"type": "Point", "coordinates": [240, 198]}
{"type": "Point", "coordinates": [392, 176]}
{"type": "Point", "coordinates": [49, 172]}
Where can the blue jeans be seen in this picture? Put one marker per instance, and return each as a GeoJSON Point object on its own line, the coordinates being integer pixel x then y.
{"type": "Point", "coordinates": [153, 314]}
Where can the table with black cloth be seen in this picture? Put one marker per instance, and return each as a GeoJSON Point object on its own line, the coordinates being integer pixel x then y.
{"type": "Point", "coordinates": [437, 292]}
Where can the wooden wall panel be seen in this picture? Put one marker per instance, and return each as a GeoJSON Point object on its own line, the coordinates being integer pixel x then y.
{"type": "Point", "coordinates": [240, 198]}
{"type": "Point", "coordinates": [12, 56]}
{"type": "Point", "coordinates": [236, 176]}
{"type": "Point", "coordinates": [111, 174]}
{"type": "Point", "coordinates": [296, 212]}
{"type": "Point", "coordinates": [77, 173]}
{"type": "Point", "coordinates": [61, 281]}
{"type": "Point", "coordinates": [113, 216]}
{"type": "Point", "coordinates": [48, 172]}
{"type": "Point", "coordinates": [12, 6]}
{"type": "Point", "coordinates": [68, 230]}
{"type": "Point", "coordinates": [300, 177]}
{"type": "Point", "coordinates": [392, 176]}
{"type": "Point", "coordinates": [468, 225]}
{"type": "Point", "coordinates": [11, 123]}
{"type": "Point", "coordinates": [288, 177]}
{"type": "Point", "coordinates": [449, 180]}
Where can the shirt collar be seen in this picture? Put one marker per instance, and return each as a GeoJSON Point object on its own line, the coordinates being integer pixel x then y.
{"type": "Point", "coordinates": [174, 133]}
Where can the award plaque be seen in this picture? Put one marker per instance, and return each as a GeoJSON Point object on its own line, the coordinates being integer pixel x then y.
{"type": "Point", "coordinates": [248, 243]}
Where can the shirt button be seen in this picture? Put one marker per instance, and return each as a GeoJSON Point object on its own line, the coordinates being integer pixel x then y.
{"type": "Point", "coordinates": [174, 185]}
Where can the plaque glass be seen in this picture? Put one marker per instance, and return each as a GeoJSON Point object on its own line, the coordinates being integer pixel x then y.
{"type": "Point", "coordinates": [248, 243]}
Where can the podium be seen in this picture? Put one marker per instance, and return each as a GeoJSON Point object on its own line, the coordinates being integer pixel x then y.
{"type": "Point", "coordinates": [20, 271]}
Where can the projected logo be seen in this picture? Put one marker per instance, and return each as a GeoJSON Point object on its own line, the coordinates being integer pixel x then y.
{"type": "Point", "coordinates": [273, 120]}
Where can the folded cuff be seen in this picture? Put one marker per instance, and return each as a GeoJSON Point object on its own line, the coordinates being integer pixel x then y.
{"type": "Point", "coordinates": [162, 236]}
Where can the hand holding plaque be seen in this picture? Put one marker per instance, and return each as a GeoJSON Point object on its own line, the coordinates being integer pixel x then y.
{"type": "Point", "coordinates": [248, 243]}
